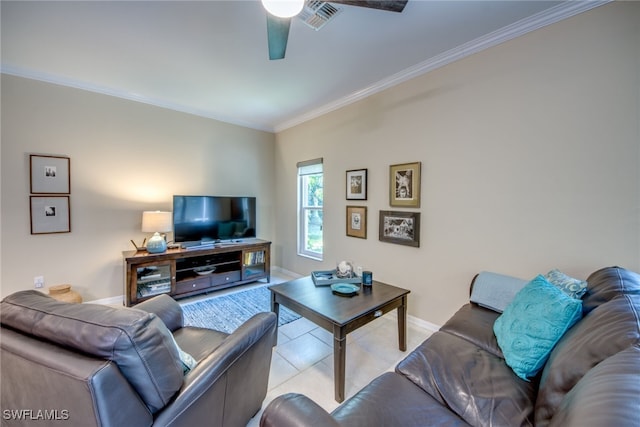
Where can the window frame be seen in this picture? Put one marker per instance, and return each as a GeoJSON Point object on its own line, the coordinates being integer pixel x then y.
{"type": "Point", "coordinates": [307, 169]}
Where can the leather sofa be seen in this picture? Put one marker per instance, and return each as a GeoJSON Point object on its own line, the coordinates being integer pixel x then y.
{"type": "Point", "coordinates": [94, 365]}
{"type": "Point", "coordinates": [459, 377]}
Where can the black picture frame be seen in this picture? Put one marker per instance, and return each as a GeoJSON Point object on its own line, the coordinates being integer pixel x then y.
{"type": "Point", "coordinates": [402, 228]}
{"type": "Point", "coordinates": [356, 184]}
{"type": "Point", "coordinates": [50, 214]}
{"type": "Point", "coordinates": [50, 174]}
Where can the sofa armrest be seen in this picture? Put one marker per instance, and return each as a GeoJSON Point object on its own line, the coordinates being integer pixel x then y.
{"type": "Point", "coordinates": [294, 410]}
{"type": "Point", "coordinates": [228, 386]}
{"type": "Point", "coordinates": [166, 308]}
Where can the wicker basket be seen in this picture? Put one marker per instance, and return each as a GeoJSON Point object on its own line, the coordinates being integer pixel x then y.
{"type": "Point", "coordinates": [64, 293]}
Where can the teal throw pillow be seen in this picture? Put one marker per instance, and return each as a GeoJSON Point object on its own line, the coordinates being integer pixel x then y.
{"type": "Point", "coordinates": [533, 323]}
{"type": "Point", "coordinates": [573, 287]}
{"type": "Point", "coordinates": [187, 360]}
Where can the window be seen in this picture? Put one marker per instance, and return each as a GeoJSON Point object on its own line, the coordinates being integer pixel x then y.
{"type": "Point", "coordinates": [310, 208]}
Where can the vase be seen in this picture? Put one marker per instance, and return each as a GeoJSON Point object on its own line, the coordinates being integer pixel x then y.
{"type": "Point", "coordinates": [64, 293]}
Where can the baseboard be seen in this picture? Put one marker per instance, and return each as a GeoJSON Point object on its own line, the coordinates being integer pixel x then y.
{"type": "Point", "coordinates": [412, 320]}
{"type": "Point", "coordinates": [416, 321]}
{"type": "Point", "coordinates": [117, 300]}
{"type": "Point", "coordinates": [286, 272]}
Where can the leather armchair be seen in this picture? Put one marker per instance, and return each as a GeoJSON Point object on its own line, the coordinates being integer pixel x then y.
{"type": "Point", "coordinates": [94, 365]}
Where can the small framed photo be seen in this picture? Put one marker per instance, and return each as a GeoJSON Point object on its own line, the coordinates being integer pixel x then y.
{"type": "Point", "coordinates": [50, 174]}
{"type": "Point", "coordinates": [357, 221]}
{"type": "Point", "coordinates": [402, 228]}
{"type": "Point", "coordinates": [50, 214]}
{"type": "Point", "coordinates": [404, 185]}
{"type": "Point", "coordinates": [357, 184]}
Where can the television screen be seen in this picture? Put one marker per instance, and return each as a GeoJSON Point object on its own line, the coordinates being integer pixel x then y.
{"type": "Point", "coordinates": [211, 218]}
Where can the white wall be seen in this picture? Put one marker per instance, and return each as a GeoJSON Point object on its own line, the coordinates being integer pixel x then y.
{"type": "Point", "coordinates": [530, 158]}
{"type": "Point", "coordinates": [126, 157]}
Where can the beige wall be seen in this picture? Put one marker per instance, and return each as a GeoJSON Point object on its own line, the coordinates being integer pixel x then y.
{"type": "Point", "coordinates": [126, 157]}
{"type": "Point", "coordinates": [530, 158]}
{"type": "Point", "coordinates": [530, 154]}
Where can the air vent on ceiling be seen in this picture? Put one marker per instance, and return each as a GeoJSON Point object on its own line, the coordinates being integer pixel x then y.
{"type": "Point", "coordinates": [317, 13]}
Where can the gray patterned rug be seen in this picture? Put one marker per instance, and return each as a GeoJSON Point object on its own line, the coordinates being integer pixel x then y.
{"type": "Point", "coordinates": [227, 312]}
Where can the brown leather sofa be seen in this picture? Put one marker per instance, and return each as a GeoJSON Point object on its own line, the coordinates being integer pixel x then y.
{"type": "Point", "coordinates": [93, 365]}
{"type": "Point", "coordinates": [458, 376]}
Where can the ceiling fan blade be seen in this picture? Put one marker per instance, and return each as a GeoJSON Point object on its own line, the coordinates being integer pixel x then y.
{"type": "Point", "coordinates": [389, 5]}
{"type": "Point", "coordinates": [277, 34]}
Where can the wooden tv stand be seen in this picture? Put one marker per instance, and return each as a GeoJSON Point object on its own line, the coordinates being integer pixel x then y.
{"type": "Point", "coordinates": [185, 272]}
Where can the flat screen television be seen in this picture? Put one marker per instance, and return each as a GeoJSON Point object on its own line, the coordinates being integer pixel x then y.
{"type": "Point", "coordinates": [203, 219]}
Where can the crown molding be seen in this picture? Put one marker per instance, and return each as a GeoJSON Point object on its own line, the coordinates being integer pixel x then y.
{"type": "Point", "coordinates": [131, 96]}
{"type": "Point", "coordinates": [517, 29]}
{"type": "Point", "coordinates": [550, 16]}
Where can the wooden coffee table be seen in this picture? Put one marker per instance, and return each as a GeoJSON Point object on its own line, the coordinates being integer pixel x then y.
{"type": "Point", "coordinates": [341, 315]}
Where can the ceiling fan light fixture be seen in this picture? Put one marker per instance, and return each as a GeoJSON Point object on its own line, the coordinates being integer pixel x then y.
{"type": "Point", "coordinates": [283, 8]}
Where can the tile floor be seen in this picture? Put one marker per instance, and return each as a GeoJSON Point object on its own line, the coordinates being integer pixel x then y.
{"type": "Point", "coordinates": [302, 361]}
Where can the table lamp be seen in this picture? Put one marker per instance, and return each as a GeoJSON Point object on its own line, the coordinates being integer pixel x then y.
{"type": "Point", "coordinates": [156, 222]}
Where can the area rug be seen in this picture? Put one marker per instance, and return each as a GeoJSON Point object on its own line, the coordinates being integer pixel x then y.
{"type": "Point", "coordinates": [227, 312]}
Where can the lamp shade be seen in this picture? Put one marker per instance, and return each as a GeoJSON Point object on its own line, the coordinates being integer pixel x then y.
{"type": "Point", "coordinates": [156, 221]}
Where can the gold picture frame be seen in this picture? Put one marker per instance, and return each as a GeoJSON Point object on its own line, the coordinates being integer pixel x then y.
{"type": "Point", "coordinates": [357, 221]}
{"type": "Point", "coordinates": [404, 185]}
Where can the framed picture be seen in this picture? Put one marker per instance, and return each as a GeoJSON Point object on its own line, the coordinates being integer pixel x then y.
{"type": "Point", "coordinates": [357, 221]}
{"type": "Point", "coordinates": [357, 184]}
{"type": "Point", "coordinates": [404, 185]}
{"type": "Point", "coordinates": [402, 228]}
{"type": "Point", "coordinates": [50, 214]}
{"type": "Point", "coordinates": [50, 174]}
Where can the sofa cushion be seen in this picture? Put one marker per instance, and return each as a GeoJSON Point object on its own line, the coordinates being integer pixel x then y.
{"type": "Point", "coordinates": [608, 395]}
{"type": "Point", "coordinates": [199, 342]}
{"type": "Point", "coordinates": [138, 342]}
{"type": "Point", "coordinates": [495, 291]}
{"type": "Point", "coordinates": [392, 400]}
{"type": "Point", "coordinates": [610, 328]}
{"type": "Point", "coordinates": [475, 324]}
{"type": "Point", "coordinates": [475, 384]}
{"type": "Point", "coordinates": [608, 283]}
{"type": "Point", "coordinates": [533, 323]}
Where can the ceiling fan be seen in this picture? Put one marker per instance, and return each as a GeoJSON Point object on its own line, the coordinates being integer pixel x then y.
{"type": "Point", "coordinates": [315, 13]}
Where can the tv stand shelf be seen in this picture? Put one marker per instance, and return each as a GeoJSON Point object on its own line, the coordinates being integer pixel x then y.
{"type": "Point", "coordinates": [181, 273]}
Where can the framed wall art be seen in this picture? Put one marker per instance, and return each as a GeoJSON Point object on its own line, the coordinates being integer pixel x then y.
{"type": "Point", "coordinates": [50, 214]}
{"type": "Point", "coordinates": [357, 221]}
{"type": "Point", "coordinates": [357, 184]}
{"type": "Point", "coordinates": [402, 228]}
{"type": "Point", "coordinates": [404, 185]}
{"type": "Point", "coordinates": [50, 174]}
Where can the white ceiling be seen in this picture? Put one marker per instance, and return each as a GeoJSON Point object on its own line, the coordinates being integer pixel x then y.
{"type": "Point", "coordinates": [210, 57]}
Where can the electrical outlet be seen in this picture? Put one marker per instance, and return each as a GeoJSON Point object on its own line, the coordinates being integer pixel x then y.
{"type": "Point", "coordinates": [38, 281]}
